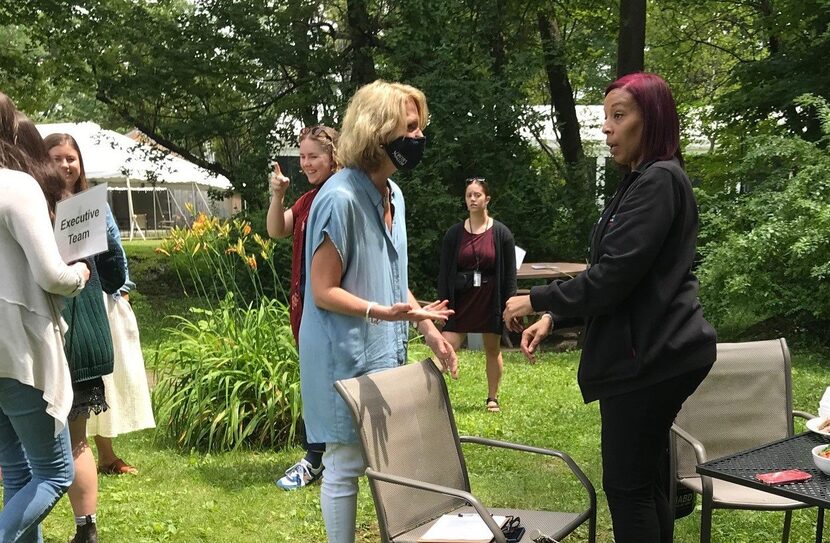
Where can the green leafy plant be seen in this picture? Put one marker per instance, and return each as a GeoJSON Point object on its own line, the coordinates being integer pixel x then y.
{"type": "Point", "coordinates": [766, 242]}
{"type": "Point", "coordinates": [229, 378]}
{"type": "Point", "coordinates": [213, 257]}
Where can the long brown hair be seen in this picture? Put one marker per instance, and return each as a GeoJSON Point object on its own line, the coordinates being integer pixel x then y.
{"type": "Point", "coordinates": [46, 174]}
{"type": "Point", "coordinates": [8, 120]}
{"type": "Point", "coordinates": [12, 155]}
{"type": "Point", "coordinates": [53, 140]}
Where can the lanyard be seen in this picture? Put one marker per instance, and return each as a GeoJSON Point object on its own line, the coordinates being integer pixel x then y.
{"type": "Point", "coordinates": [475, 239]}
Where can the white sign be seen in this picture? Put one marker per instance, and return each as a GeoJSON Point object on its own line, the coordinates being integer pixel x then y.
{"type": "Point", "coordinates": [520, 257]}
{"type": "Point", "coordinates": [81, 224]}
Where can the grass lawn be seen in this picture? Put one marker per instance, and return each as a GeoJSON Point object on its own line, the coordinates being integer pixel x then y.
{"type": "Point", "coordinates": [190, 497]}
{"type": "Point", "coordinates": [231, 497]}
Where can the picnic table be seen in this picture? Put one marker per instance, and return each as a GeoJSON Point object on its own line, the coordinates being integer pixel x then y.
{"type": "Point", "coordinates": [550, 270]}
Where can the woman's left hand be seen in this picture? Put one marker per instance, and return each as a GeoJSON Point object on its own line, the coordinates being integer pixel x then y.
{"type": "Point", "coordinates": [517, 306]}
{"type": "Point", "coordinates": [444, 351]}
{"type": "Point", "coordinates": [436, 311]}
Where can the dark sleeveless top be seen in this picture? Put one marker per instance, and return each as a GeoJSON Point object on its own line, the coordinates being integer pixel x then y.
{"type": "Point", "coordinates": [472, 306]}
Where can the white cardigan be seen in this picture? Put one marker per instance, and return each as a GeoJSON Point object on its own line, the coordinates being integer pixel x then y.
{"type": "Point", "coordinates": [31, 345]}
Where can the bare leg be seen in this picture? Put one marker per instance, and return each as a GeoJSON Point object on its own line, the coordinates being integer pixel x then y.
{"type": "Point", "coordinates": [455, 339]}
{"type": "Point", "coordinates": [106, 455]}
{"type": "Point", "coordinates": [495, 366]}
{"type": "Point", "coordinates": [83, 494]}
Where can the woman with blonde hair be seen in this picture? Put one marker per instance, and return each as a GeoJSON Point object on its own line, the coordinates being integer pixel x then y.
{"type": "Point", "coordinates": [317, 161]}
{"type": "Point", "coordinates": [356, 321]}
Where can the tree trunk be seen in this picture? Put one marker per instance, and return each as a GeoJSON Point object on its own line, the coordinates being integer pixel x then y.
{"type": "Point", "coordinates": [362, 41]}
{"type": "Point", "coordinates": [497, 41]}
{"type": "Point", "coordinates": [561, 93]}
{"type": "Point", "coordinates": [632, 38]}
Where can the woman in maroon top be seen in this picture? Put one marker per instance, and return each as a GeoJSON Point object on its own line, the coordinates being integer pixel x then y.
{"type": "Point", "coordinates": [477, 275]}
{"type": "Point", "coordinates": [317, 146]}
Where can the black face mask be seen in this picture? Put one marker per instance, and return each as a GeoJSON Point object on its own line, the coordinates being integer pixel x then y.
{"type": "Point", "coordinates": [404, 152]}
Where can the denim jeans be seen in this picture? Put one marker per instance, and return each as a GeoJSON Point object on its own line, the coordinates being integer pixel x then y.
{"type": "Point", "coordinates": [338, 492]}
{"type": "Point", "coordinates": [37, 465]}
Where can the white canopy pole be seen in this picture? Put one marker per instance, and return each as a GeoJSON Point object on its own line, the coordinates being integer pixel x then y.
{"type": "Point", "coordinates": [130, 207]}
{"type": "Point", "coordinates": [155, 203]}
{"type": "Point", "coordinates": [202, 196]}
{"type": "Point", "coordinates": [133, 224]}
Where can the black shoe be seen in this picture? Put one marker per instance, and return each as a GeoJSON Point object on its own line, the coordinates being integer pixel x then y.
{"type": "Point", "coordinates": [88, 533]}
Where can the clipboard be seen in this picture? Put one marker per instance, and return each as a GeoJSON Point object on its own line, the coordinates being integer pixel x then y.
{"type": "Point", "coordinates": [461, 528]}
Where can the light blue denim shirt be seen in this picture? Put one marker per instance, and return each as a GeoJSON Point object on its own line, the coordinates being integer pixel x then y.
{"type": "Point", "coordinates": [114, 232]}
{"type": "Point", "coordinates": [333, 346]}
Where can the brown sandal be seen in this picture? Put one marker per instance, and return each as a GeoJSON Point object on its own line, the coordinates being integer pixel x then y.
{"type": "Point", "coordinates": [119, 467]}
{"type": "Point", "coordinates": [493, 405]}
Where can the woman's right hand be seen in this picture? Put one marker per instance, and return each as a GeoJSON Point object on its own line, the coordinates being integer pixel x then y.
{"type": "Point", "coordinates": [533, 335]}
{"type": "Point", "coordinates": [279, 182]}
{"type": "Point", "coordinates": [83, 270]}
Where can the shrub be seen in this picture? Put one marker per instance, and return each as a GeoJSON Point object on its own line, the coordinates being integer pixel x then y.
{"type": "Point", "coordinates": [229, 378]}
{"type": "Point", "coordinates": [766, 247]}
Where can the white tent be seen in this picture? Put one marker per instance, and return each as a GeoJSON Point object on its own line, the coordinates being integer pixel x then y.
{"type": "Point", "coordinates": [139, 171]}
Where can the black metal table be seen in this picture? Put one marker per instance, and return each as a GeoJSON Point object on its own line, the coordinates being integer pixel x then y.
{"type": "Point", "coordinates": [789, 453]}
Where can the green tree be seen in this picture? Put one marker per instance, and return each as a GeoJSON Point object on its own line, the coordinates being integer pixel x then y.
{"type": "Point", "coordinates": [766, 252]}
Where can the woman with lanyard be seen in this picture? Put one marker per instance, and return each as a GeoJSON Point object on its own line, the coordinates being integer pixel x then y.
{"type": "Point", "coordinates": [477, 275]}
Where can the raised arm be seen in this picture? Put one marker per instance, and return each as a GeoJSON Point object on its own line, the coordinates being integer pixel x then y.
{"type": "Point", "coordinates": [280, 221]}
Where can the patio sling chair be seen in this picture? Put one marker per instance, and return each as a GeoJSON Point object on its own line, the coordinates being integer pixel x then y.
{"type": "Point", "coordinates": [416, 467]}
{"type": "Point", "coordinates": [745, 401]}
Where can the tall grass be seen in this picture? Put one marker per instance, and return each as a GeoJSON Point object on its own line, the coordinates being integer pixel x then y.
{"type": "Point", "coordinates": [229, 378]}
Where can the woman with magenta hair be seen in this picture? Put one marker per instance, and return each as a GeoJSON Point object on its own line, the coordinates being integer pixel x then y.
{"type": "Point", "coordinates": [646, 345]}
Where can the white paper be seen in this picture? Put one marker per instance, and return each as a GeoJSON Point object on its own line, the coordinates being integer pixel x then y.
{"type": "Point", "coordinates": [824, 405]}
{"type": "Point", "coordinates": [460, 527]}
{"type": "Point", "coordinates": [520, 256]}
{"type": "Point", "coordinates": [81, 224]}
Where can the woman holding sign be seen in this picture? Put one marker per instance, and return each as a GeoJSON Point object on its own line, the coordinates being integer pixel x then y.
{"type": "Point", "coordinates": [35, 388]}
{"type": "Point", "coordinates": [88, 345]}
{"type": "Point", "coordinates": [317, 146]}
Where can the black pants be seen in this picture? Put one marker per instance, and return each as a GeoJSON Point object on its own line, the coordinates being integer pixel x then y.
{"type": "Point", "coordinates": [635, 439]}
{"type": "Point", "coordinates": [314, 451]}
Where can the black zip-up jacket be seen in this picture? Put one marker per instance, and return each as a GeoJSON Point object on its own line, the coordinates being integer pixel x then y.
{"type": "Point", "coordinates": [644, 323]}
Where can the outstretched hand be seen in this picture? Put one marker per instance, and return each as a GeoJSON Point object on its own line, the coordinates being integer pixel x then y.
{"type": "Point", "coordinates": [279, 182]}
{"type": "Point", "coordinates": [436, 311]}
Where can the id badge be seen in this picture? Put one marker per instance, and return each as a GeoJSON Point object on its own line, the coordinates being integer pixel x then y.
{"type": "Point", "coordinates": [476, 278]}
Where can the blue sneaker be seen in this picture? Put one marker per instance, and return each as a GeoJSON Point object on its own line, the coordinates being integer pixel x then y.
{"type": "Point", "coordinates": [299, 475]}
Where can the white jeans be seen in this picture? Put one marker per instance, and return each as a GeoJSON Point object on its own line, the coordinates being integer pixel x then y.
{"type": "Point", "coordinates": [338, 492]}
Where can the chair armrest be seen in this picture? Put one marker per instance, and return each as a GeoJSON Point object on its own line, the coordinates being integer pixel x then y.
{"type": "Point", "coordinates": [803, 415]}
{"type": "Point", "coordinates": [700, 458]}
{"type": "Point", "coordinates": [574, 467]}
{"type": "Point", "coordinates": [700, 450]}
{"type": "Point", "coordinates": [445, 490]}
